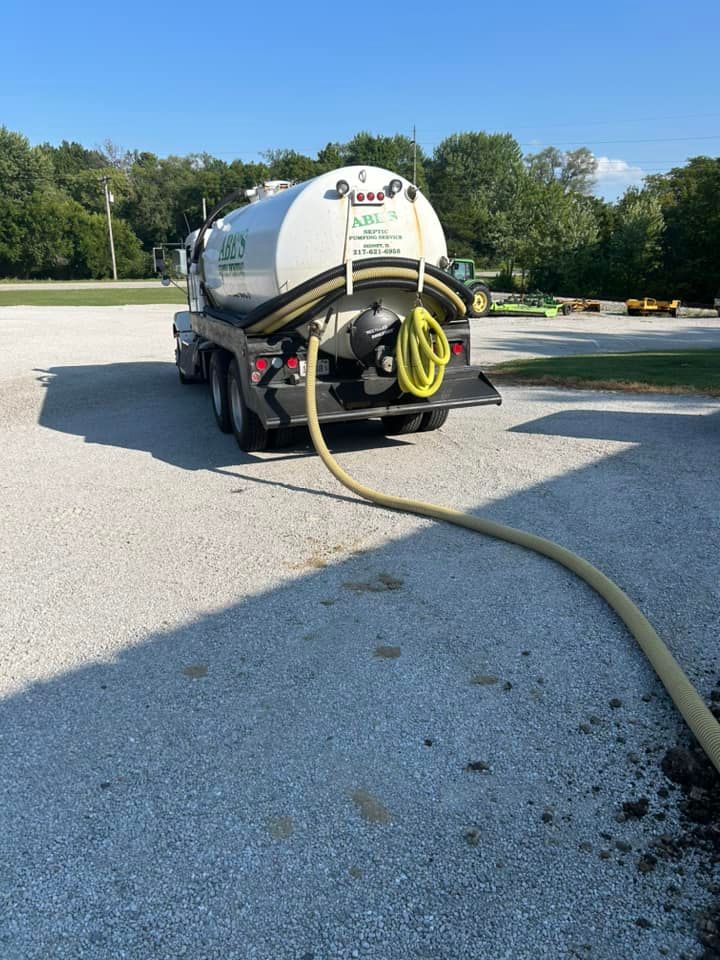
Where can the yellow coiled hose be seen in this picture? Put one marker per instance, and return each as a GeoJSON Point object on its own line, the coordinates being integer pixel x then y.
{"type": "Point", "coordinates": [686, 698]}
{"type": "Point", "coordinates": [422, 353]}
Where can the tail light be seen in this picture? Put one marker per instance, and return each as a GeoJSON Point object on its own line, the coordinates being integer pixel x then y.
{"type": "Point", "coordinates": [261, 364]}
{"type": "Point", "coordinates": [292, 363]}
{"type": "Point", "coordinates": [370, 197]}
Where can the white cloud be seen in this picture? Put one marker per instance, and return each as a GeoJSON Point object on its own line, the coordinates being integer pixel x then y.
{"type": "Point", "coordinates": [613, 177]}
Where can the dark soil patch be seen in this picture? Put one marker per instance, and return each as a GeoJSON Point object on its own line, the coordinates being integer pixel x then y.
{"type": "Point", "coordinates": [478, 766]}
{"type": "Point", "coordinates": [636, 809]}
{"type": "Point", "coordinates": [689, 768]}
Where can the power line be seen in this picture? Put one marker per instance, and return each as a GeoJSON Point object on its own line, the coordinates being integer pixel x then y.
{"type": "Point", "coordinates": [54, 178]}
{"type": "Point", "coordinates": [569, 143]}
{"type": "Point", "coordinates": [604, 123]}
{"type": "Point", "coordinates": [714, 136]}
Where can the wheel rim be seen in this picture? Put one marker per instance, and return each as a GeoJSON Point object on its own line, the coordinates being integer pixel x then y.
{"type": "Point", "coordinates": [236, 406]}
{"type": "Point", "coordinates": [216, 392]}
{"type": "Point", "coordinates": [479, 301]}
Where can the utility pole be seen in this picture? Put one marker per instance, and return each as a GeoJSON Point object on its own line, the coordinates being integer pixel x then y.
{"type": "Point", "coordinates": [414, 155]}
{"type": "Point", "coordinates": [108, 198]}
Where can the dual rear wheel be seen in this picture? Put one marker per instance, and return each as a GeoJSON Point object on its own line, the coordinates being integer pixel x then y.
{"type": "Point", "coordinates": [232, 414]}
{"type": "Point", "coordinates": [414, 422]}
{"type": "Point", "coordinates": [218, 378]}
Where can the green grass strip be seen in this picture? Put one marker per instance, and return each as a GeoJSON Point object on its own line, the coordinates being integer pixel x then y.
{"type": "Point", "coordinates": [667, 371]}
{"type": "Point", "coordinates": [112, 297]}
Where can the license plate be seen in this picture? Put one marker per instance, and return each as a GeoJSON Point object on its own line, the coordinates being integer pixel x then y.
{"type": "Point", "coordinates": [323, 367]}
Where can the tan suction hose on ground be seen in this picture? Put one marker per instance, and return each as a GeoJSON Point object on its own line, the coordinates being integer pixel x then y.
{"type": "Point", "coordinates": [686, 698]}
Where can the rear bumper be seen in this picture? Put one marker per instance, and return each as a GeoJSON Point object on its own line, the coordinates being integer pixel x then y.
{"type": "Point", "coordinates": [360, 399]}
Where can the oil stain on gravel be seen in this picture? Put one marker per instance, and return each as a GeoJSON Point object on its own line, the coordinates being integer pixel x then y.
{"type": "Point", "coordinates": [195, 671]}
{"type": "Point", "coordinates": [387, 653]}
{"type": "Point", "coordinates": [370, 808]}
{"type": "Point", "coordinates": [383, 583]}
{"type": "Point", "coordinates": [280, 828]}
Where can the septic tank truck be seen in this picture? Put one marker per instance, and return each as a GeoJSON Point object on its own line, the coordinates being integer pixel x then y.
{"type": "Point", "coordinates": [359, 249]}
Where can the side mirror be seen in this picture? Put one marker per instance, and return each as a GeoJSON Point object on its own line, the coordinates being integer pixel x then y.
{"type": "Point", "coordinates": [158, 260]}
{"type": "Point", "coordinates": [179, 262]}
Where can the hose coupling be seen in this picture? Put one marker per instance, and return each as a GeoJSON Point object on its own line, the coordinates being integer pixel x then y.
{"type": "Point", "coordinates": [317, 326]}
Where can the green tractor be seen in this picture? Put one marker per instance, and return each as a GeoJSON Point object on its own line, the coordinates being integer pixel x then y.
{"type": "Point", "coordinates": [464, 271]}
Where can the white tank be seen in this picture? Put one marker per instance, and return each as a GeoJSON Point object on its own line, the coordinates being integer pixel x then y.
{"type": "Point", "coordinates": [282, 239]}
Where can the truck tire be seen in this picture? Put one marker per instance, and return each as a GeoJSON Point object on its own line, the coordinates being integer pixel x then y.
{"type": "Point", "coordinates": [282, 437]}
{"type": "Point", "coordinates": [249, 432]}
{"type": "Point", "coordinates": [218, 379]}
{"type": "Point", "coordinates": [403, 423]}
{"type": "Point", "coordinates": [183, 378]}
{"type": "Point", "coordinates": [481, 299]}
{"type": "Point", "coordinates": [433, 420]}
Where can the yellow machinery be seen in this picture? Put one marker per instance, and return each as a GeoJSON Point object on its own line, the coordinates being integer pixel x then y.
{"type": "Point", "coordinates": [583, 306]}
{"type": "Point", "coordinates": [649, 306]}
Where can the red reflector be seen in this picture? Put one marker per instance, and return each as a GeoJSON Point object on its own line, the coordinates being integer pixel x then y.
{"type": "Point", "coordinates": [261, 363]}
{"type": "Point", "coordinates": [292, 363]}
{"type": "Point", "coordinates": [457, 348]}
{"type": "Point", "coordinates": [371, 196]}
{"type": "Point", "coordinates": [381, 196]}
{"type": "Point", "coordinates": [360, 197]}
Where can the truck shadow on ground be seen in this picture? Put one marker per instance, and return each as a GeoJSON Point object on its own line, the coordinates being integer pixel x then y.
{"type": "Point", "coordinates": [626, 426]}
{"type": "Point", "coordinates": [142, 406]}
{"type": "Point", "coordinates": [292, 776]}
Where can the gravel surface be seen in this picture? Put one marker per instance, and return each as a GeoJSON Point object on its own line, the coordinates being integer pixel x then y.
{"type": "Point", "coordinates": [246, 716]}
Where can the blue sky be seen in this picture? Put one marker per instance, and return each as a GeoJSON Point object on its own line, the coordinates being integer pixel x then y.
{"type": "Point", "coordinates": [638, 83]}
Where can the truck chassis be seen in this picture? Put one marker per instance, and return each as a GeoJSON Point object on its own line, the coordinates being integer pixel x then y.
{"type": "Point", "coordinates": [266, 380]}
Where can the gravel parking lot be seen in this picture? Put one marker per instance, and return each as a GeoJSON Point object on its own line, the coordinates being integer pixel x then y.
{"type": "Point", "coordinates": [245, 716]}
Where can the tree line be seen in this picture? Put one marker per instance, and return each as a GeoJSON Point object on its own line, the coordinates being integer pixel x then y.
{"type": "Point", "coordinates": [533, 216]}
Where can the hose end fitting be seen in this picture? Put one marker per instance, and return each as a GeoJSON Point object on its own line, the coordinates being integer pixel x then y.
{"type": "Point", "coordinates": [317, 326]}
